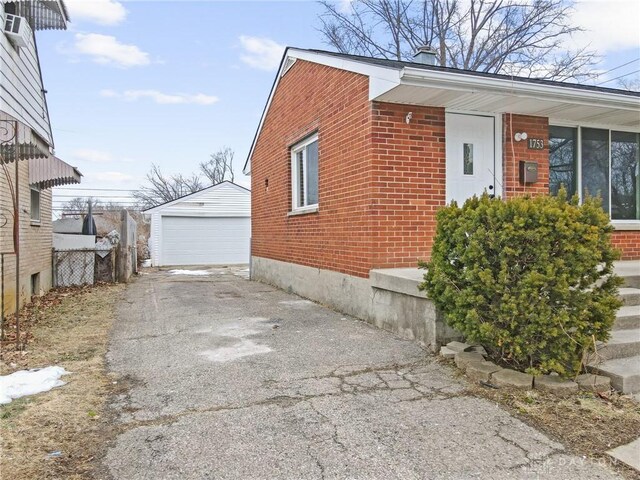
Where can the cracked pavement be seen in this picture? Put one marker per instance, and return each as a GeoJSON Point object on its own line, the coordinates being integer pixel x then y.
{"type": "Point", "coordinates": [232, 379]}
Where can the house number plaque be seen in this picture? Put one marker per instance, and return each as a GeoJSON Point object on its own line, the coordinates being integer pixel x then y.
{"type": "Point", "coordinates": [535, 144]}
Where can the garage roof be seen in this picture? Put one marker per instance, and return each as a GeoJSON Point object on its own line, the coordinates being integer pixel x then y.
{"type": "Point", "coordinates": [195, 195]}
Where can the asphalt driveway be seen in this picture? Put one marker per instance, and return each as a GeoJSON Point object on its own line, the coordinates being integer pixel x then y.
{"type": "Point", "coordinates": [232, 379]}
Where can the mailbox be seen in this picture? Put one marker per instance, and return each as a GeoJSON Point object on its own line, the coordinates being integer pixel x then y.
{"type": "Point", "coordinates": [528, 172]}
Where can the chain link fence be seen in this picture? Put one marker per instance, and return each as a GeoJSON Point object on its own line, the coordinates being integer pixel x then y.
{"type": "Point", "coordinates": [83, 267]}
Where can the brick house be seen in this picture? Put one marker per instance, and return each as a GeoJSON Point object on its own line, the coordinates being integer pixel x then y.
{"type": "Point", "coordinates": [30, 167]}
{"type": "Point", "coordinates": [353, 156]}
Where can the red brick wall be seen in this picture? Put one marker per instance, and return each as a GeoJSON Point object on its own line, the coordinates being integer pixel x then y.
{"type": "Point", "coordinates": [381, 180]}
{"type": "Point", "coordinates": [408, 182]}
{"type": "Point", "coordinates": [513, 152]}
{"type": "Point", "coordinates": [628, 242]}
{"type": "Point", "coordinates": [313, 97]}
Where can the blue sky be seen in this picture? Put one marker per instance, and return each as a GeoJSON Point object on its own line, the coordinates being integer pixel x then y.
{"type": "Point", "coordinates": [132, 83]}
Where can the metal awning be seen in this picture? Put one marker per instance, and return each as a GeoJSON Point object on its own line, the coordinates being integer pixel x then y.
{"type": "Point", "coordinates": [19, 142]}
{"type": "Point", "coordinates": [43, 14]}
{"type": "Point", "coordinates": [52, 172]}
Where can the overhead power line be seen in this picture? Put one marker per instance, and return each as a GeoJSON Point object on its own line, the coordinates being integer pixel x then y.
{"type": "Point", "coordinates": [617, 78]}
{"type": "Point", "coordinates": [96, 189]}
{"type": "Point", "coordinates": [620, 66]}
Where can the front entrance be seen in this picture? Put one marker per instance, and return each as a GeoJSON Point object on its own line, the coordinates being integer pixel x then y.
{"type": "Point", "coordinates": [470, 155]}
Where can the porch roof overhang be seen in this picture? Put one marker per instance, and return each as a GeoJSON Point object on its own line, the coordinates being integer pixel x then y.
{"type": "Point", "coordinates": [459, 91]}
{"type": "Point", "coordinates": [462, 90]}
{"type": "Point", "coordinates": [52, 172]}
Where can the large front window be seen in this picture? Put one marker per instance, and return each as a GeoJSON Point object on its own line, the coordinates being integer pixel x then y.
{"type": "Point", "coordinates": [304, 174]}
{"type": "Point", "coordinates": [593, 161]}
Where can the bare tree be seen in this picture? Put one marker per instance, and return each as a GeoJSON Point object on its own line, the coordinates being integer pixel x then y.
{"type": "Point", "coordinates": [161, 188]}
{"type": "Point", "coordinates": [515, 37]}
{"type": "Point", "coordinates": [77, 207]}
{"type": "Point", "coordinates": [219, 167]}
{"type": "Point", "coordinates": [630, 84]}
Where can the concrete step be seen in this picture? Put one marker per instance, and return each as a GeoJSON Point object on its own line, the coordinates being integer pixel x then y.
{"type": "Point", "coordinates": [627, 318]}
{"type": "Point", "coordinates": [630, 296]}
{"type": "Point", "coordinates": [623, 372]}
{"type": "Point", "coordinates": [622, 344]}
{"type": "Point", "coordinates": [630, 271]}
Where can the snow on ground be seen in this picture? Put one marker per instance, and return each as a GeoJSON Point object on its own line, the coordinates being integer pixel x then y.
{"type": "Point", "coordinates": [29, 382]}
{"type": "Point", "coordinates": [189, 272]}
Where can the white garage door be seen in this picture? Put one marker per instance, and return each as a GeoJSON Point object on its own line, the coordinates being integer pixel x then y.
{"type": "Point", "coordinates": [205, 240]}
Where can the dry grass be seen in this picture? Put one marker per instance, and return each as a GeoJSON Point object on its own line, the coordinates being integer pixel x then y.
{"type": "Point", "coordinates": [587, 424]}
{"type": "Point", "coordinates": [70, 329]}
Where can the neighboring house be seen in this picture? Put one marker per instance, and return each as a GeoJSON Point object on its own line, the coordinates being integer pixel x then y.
{"type": "Point", "coordinates": [353, 157]}
{"type": "Point", "coordinates": [26, 149]}
{"type": "Point", "coordinates": [105, 223]}
{"type": "Point", "coordinates": [208, 227]}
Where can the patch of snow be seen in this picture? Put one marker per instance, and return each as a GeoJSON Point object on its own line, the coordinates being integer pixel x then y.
{"type": "Point", "coordinates": [146, 263]}
{"type": "Point", "coordinates": [29, 382]}
{"type": "Point", "coordinates": [189, 272]}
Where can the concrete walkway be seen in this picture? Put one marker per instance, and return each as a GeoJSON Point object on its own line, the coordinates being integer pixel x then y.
{"type": "Point", "coordinates": [232, 379]}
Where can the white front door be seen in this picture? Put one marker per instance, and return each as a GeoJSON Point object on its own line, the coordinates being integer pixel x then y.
{"type": "Point", "coordinates": [470, 154]}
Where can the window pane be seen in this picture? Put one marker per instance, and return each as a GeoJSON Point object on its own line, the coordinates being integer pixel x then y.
{"type": "Point", "coordinates": [562, 159]}
{"type": "Point", "coordinates": [595, 164]}
{"type": "Point", "coordinates": [467, 160]}
{"type": "Point", "coordinates": [35, 205]}
{"type": "Point", "coordinates": [300, 179]}
{"type": "Point", "coordinates": [312, 173]}
{"type": "Point", "coordinates": [625, 178]}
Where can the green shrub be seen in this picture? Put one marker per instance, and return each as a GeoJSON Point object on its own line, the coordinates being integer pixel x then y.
{"type": "Point", "coordinates": [531, 279]}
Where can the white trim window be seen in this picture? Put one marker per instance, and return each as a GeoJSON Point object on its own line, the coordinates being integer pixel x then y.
{"type": "Point", "coordinates": [598, 161]}
{"type": "Point", "coordinates": [304, 174]}
{"type": "Point", "coordinates": [35, 205]}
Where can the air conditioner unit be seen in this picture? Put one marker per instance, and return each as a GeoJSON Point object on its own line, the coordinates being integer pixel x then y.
{"type": "Point", "coordinates": [17, 29]}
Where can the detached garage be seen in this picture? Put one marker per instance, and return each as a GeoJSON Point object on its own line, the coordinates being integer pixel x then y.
{"type": "Point", "coordinates": [209, 227]}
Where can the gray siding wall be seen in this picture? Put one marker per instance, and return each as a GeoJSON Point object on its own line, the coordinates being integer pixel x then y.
{"type": "Point", "coordinates": [21, 89]}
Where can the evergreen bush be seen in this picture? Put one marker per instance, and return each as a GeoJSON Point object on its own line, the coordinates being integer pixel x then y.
{"type": "Point", "coordinates": [530, 279]}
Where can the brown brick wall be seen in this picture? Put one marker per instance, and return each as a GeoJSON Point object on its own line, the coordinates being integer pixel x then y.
{"type": "Point", "coordinates": [35, 240]}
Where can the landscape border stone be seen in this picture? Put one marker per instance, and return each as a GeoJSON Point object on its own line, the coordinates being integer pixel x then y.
{"type": "Point", "coordinates": [593, 383]}
{"type": "Point", "coordinates": [512, 379]}
{"type": "Point", "coordinates": [555, 384]}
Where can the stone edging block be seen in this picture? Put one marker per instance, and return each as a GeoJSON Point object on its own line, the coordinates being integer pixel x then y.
{"type": "Point", "coordinates": [481, 371]}
{"type": "Point", "coordinates": [555, 384]}
{"type": "Point", "coordinates": [512, 379]}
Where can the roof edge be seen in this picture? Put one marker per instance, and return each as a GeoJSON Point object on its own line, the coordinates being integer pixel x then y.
{"type": "Point", "coordinates": [195, 195]}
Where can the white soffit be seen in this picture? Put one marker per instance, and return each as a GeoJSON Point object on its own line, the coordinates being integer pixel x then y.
{"type": "Point", "coordinates": [498, 95]}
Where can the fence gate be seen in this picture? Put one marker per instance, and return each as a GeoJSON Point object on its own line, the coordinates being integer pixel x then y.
{"type": "Point", "coordinates": [83, 266]}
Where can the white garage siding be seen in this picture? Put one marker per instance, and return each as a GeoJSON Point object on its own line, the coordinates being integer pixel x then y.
{"type": "Point", "coordinates": [209, 227]}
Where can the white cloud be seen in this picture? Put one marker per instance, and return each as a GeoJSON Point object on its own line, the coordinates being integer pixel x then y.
{"type": "Point", "coordinates": [261, 53]}
{"type": "Point", "coordinates": [162, 98]}
{"type": "Point", "coordinates": [92, 156]}
{"type": "Point", "coordinates": [609, 24]}
{"type": "Point", "coordinates": [107, 50]}
{"type": "Point", "coordinates": [103, 12]}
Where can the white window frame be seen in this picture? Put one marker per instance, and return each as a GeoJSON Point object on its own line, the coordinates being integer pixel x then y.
{"type": "Point", "coordinates": [31, 209]}
{"type": "Point", "coordinates": [295, 176]}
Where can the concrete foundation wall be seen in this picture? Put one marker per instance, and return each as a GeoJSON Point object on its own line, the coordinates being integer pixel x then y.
{"type": "Point", "coordinates": [408, 315]}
